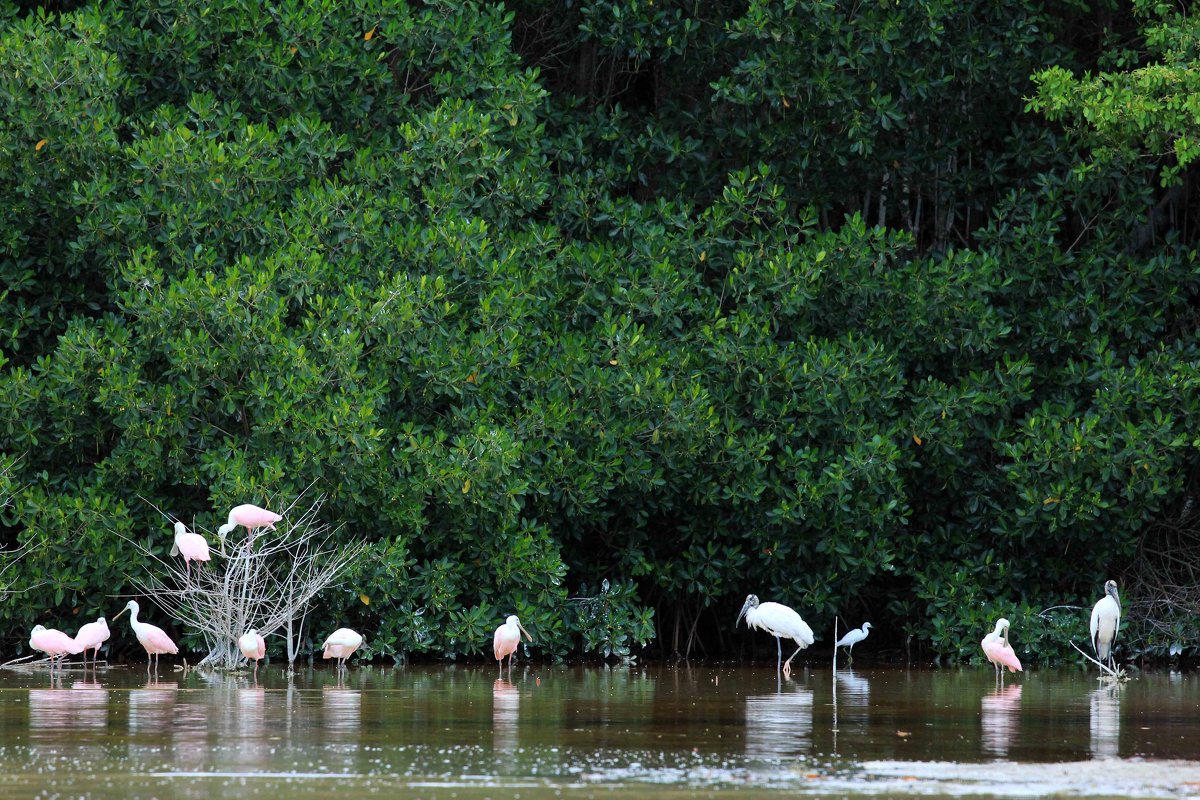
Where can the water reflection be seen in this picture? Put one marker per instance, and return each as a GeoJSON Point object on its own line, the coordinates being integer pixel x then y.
{"type": "Point", "coordinates": [506, 704]}
{"type": "Point", "coordinates": [999, 713]}
{"type": "Point", "coordinates": [1104, 721]}
{"type": "Point", "coordinates": [152, 708]}
{"type": "Point", "coordinates": [645, 728]}
{"type": "Point", "coordinates": [779, 725]}
{"type": "Point", "coordinates": [341, 710]}
{"type": "Point", "coordinates": [55, 712]}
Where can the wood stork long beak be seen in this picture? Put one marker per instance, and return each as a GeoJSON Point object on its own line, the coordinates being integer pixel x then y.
{"type": "Point", "coordinates": [742, 613]}
{"type": "Point", "coordinates": [522, 627]}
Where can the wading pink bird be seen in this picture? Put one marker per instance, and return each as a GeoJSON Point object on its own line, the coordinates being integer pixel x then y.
{"type": "Point", "coordinates": [91, 636]}
{"type": "Point", "coordinates": [506, 638]}
{"type": "Point", "coordinates": [192, 545]}
{"type": "Point", "coordinates": [151, 637]}
{"type": "Point", "coordinates": [252, 646]}
{"type": "Point", "coordinates": [341, 644]}
{"type": "Point", "coordinates": [53, 643]}
{"type": "Point", "coordinates": [999, 651]}
{"type": "Point", "coordinates": [250, 517]}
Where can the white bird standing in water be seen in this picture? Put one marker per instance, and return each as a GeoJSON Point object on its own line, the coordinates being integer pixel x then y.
{"type": "Point", "coordinates": [1106, 618]}
{"type": "Point", "coordinates": [853, 637]}
{"type": "Point", "coordinates": [779, 621]}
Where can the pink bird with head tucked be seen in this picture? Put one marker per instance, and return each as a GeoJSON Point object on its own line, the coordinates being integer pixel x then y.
{"type": "Point", "coordinates": [151, 637]}
{"type": "Point", "coordinates": [192, 545]}
{"type": "Point", "coordinates": [250, 517]}
{"type": "Point", "coordinates": [91, 636]}
{"type": "Point", "coordinates": [341, 644]}
{"type": "Point", "coordinates": [53, 643]}
{"type": "Point", "coordinates": [253, 646]}
{"type": "Point", "coordinates": [999, 651]}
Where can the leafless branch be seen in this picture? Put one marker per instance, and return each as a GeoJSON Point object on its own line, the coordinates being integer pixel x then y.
{"type": "Point", "coordinates": [265, 581]}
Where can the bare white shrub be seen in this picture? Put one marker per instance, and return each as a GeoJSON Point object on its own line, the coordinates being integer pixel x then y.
{"type": "Point", "coordinates": [264, 580]}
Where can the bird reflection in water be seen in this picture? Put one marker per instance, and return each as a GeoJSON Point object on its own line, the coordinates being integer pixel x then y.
{"type": "Point", "coordinates": [999, 714]}
{"type": "Point", "coordinates": [506, 705]}
{"type": "Point", "coordinates": [1105, 721]}
{"type": "Point", "coordinates": [342, 712]}
{"type": "Point", "coordinates": [779, 725]}
{"type": "Point", "coordinates": [152, 708]}
{"type": "Point", "coordinates": [854, 693]}
{"type": "Point", "coordinates": [83, 707]}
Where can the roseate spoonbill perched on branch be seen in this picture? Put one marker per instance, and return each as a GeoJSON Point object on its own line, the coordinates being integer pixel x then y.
{"type": "Point", "coordinates": [153, 638]}
{"type": "Point", "coordinates": [852, 638]}
{"type": "Point", "coordinates": [998, 651]}
{"type": "Point", "coordinates": [1106, 618]}
{"type": "Point", "coordinates": [253, 646]}
{"type": "Point", "coordinates": [779, 621]}
{"type": "Point", "coordinates": [506, 639]}
{"type": "Point", "coordinates": [192, 545]}
{"type": "Point", "coordinates": [341, 644]}
{"type": "Point", "coordinates": [91, 636]}
{"type": "Point", "coordinates": [53, 643]}
{"type": "Point", "coordinates": [250, 517]}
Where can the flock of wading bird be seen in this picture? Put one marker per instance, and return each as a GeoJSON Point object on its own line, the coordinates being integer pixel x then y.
{"type": "Point", "coordinates": [340, 644]}
{"type": "Point", "coordinates": [784, 623]}
{"type": "Point", "coordinates": [776, 619]}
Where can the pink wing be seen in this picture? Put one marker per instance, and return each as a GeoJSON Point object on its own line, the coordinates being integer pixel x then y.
{"type": "Point", "coordinates": [54, 643]}
{"type": "Point", "coordinates": [193, 546]}
{"type": "Point", "coordinates": [1001, 653]}
{"type": "Point", "coordinates": [92, 635]}
{"type": "Point", "coordinates": [254, 517]}
{"type": "Point", "coordinates": [502, 646]}
{"type": "Point", "coordinates": [261, 652]}
{"type": "Point", "coordinates": [156, 640]}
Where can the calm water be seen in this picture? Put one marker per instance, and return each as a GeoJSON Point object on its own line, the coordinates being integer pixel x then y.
{"type": "Point", "coordinates": [459, 732]}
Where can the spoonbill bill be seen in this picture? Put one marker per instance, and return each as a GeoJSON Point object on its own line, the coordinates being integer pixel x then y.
{"type": "Point", "coordinates": [192, 545]}
{"type": "Point", "coordinates": [253, 646]}
{"type": "Point", "coordinates": [1106, 619]}
{"type": "Point", "coordinates": [852, 638]}
{"type": "Point", "coordinates": [998, 651]}
{"type": "Point", "coordinates": [153, 638]}
{"type": "Point", "coordinates": [91, 636]}
{"type": "Point", "coordinates": [341, 644]}
{"type": "Point", "coordinates": [779, 621]}
{"type": "Point", "coordinates": [53, 643]}
{"type": "Point", "coordinates": [506, 638]}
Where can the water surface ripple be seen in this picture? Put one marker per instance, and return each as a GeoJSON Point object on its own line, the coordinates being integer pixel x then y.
{"type": "Point", "coordinates": [541, 732]}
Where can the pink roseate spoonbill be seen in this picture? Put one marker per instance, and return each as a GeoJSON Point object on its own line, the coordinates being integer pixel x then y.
{"type": "Point", "coordinates": [153, 638]}
{"type": "Point", "coordinates": [506, 638]}
{"type": "Point", "coordinates": [998, 651]}
{"type": "Point", "coordinates": [191, 545]}
{"type": "Point", "coordinates": [252, 646]}
{"type": "Point", "coordinates": [779, 621]}
{"type": "Point", "coordinates": [91, 636]}
{"type": "Point", "coordinates": [852, 638]}
{"type": "Point", "coordinates": [250, 517]}
{"type": "Point", "coordinates": [341, 644]}
{"type": "Point", "coordinates": [53, 643]}
{"type": "Point", "coordinates": [1106, 619]}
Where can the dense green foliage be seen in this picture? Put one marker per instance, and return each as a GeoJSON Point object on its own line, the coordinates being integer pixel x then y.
{"type": "Point", "coordinates": [609, 313]}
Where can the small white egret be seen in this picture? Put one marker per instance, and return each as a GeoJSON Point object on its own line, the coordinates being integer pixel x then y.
{"type": "Point", "coordinates": [779, 621]}
{"type": "Point", "coordinates": [852, 638]}
{"type": "Point", "coordinates": [1106, 619]}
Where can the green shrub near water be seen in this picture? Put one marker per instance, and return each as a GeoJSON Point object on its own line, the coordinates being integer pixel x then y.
{"type": "Point", "coordinates": [608, 334]}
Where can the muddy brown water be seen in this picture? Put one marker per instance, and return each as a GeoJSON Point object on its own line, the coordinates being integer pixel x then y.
{"type": "Point", "coordinates": [549, 732]}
